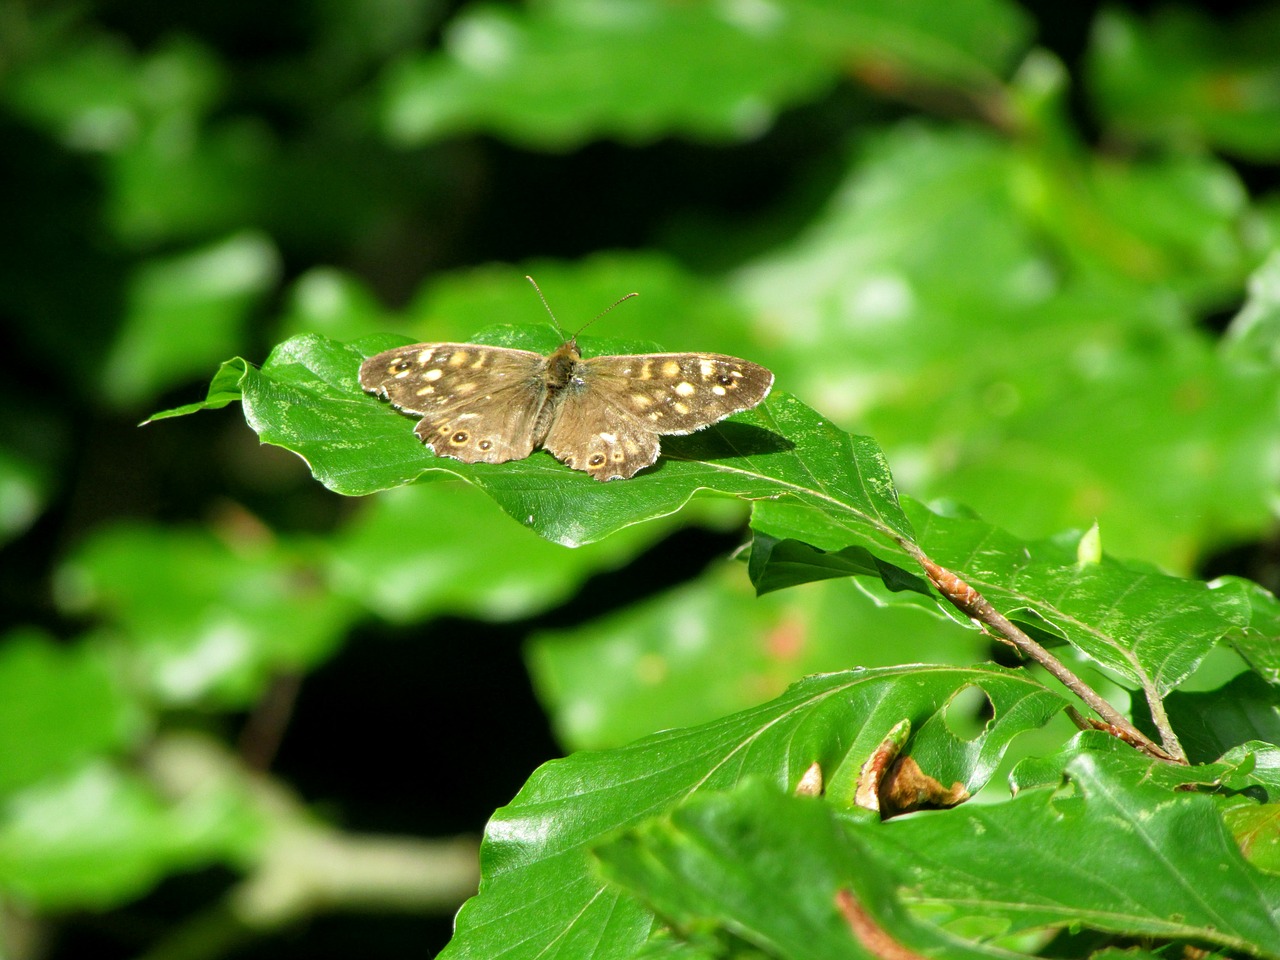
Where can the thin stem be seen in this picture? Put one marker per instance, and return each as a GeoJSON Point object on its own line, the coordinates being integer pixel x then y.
{"type": "Point", "coordinates": [970, 602]}
{"type": "Point", "coordinates": [1160, 717]}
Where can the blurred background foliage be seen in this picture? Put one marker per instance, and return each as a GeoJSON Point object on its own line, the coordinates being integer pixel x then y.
{"type": "Point", "coordinates": [240, 715]}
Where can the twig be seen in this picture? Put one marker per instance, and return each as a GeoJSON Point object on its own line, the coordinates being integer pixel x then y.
{"type": "Point", "coordinates": [971, 603]}
{"type": "Point", "coordinates": [1160, 718]}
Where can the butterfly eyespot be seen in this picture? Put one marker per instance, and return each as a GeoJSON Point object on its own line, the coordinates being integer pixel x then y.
{"type": "Point", "coordinates": [485, 444]}
{"type": "Point", "coordinates": [460, 437]}
{"type": "Point", "coordinates": [596, 460]}
{"type": "Point", "coordinates": [400, 366]}
{"type": "Point", "coordinates": [725, 380]}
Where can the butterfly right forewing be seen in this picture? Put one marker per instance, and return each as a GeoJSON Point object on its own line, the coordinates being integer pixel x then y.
{"type": "Point", "coordinates": [478, 404]}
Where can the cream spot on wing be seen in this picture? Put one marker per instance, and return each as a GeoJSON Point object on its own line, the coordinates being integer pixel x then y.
{"type": "Point", "coordinates": [480, 361]}
{"type": "Point", "coordinates": [656, 415]}
{"type": "Point", "coordinates": [684, 388]}
{"type": "Point", "coordinates": [465, 388]}
{"type": "Point", "coordinates": [459, 358]}
{"type": "Point", "coordinates": [670, 368]}
{"type": "Point", "coordinates": [609, 437]}
{"type": "Point", "coordinates": [641, 402]}
{"type": "Point", "coordinates": [736, 373]}
{"type": "Point", "coordinates": [425, 390]}
{"type": "Point", "coordinates": [707, 368]}
{"type": "Point", "coordinates": [646, 371]}
{"type": "Point", "coordinates": [681, 408]}
{"type": "Point", "coordinates": [718, 390]}
{"type": "Point", "coordinates": [435, 373]}
{"type": "Point", "coordinates": [425, 356]}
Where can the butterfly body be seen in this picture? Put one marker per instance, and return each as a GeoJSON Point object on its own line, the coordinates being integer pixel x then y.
{"type": "Point", "coordinates": [602, 415]}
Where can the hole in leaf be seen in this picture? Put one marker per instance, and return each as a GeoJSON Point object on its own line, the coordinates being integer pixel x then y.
{"type": "Point", "coordinates": [968, 712]}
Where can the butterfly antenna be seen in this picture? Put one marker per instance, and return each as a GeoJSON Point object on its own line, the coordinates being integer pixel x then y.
{"type": "Point", "coordinates": [589, 322]}
{"type": "Point", "coordinates": [544, 303]}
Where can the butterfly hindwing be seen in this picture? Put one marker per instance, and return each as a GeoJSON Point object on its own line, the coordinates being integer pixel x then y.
{"type": "Point", "coordinates": [478, 404]}
{"type": "Point", "coordinates": [592, 431]}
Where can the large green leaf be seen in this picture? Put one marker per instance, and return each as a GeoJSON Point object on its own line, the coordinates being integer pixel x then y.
{"type": "Point", "coordinates": [539, 896]}
{"type": "Point", "coordinates": [306, 399]}
{"type": "Point", "coordinates": [1110, 854]}
{"type": "Point", "coordinates": [1147, 627]}
{"type": "Point", "coordinates": [767, 868]}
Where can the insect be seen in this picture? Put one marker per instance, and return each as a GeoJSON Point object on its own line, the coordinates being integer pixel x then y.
{"type": "Point", "coordinates": [603, 415]}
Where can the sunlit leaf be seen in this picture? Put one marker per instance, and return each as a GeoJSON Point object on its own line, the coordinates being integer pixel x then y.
{"type": "Point", "coordinates": [539, 896]}
{"type": "Point", "coordinates": [1107, 854]}
{"type": "Point", "coordinates": [306, 399]}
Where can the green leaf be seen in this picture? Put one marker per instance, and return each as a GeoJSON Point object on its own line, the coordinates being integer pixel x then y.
{"type": "Point", "coordinates": [336, 304]}
{"type": "Point", "coordinates": [306, 399]}
{"type": "Point", "coordinates": [767, 868]}
{"type": "Point", "coordinates": [439, 548]}
{"type": "Point", "coordinates": [59, 707]}
{"type": "Point", "coordinates": [1186, 79]}
{"type": "Point", "coordinates": [707, 648]}
{"type": "Point", "coordinates": [925, 304]}
{"type": "Point", "coordinates": [1252, 765]}
{"type": "Point", "coordinates": [1210, 723]}
{"type": "Point", "coordinates": [727, 72]}
{"type": "Point", "coordinates": [776, 564]}
{"type": "Point", "coordinates": [186, 312]}
{"type": "Point", "coordinates": [205, 619]}
{"type": "Point", "coordinates": [1106, 854]}
{"type": "Point", "coordinates": [99, 837]}
{"type": "Point", "coordinates": [539, 896]}
{"type": "Point", "coordinates": [1256, 827]}
{"type": "Point", "coordinates": [24, 488]}
{"type": "Point", "coordinates": [1149, 628]}
{"type": "Point", "coordinates": [1259, 640]}
{"type": "Point", "coordinates": [1254, 333]}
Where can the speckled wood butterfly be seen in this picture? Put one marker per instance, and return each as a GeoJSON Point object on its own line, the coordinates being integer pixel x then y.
{"type": "Point", "coordinates": [604, 415]}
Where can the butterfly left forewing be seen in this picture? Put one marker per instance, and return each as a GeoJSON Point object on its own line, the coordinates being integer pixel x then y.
{"type": "Point", "coordinates": [478, 403]}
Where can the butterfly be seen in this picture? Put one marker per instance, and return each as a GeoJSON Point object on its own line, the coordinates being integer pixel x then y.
{"type": "Point", "coordinates": [603, 415]}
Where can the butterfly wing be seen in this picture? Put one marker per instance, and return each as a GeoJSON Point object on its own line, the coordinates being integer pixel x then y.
{"type": "Point", "coordinates": [612, 414]}
{"type": "Point", "coordinates": [478, 404]}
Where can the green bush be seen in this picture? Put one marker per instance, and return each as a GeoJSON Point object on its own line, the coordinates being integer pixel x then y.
{"type": "Point", "coordinates": [1000, 344]}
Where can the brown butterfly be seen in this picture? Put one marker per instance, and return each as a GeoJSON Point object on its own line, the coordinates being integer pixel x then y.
{"type": "Point", "coordinates": [604, 415]}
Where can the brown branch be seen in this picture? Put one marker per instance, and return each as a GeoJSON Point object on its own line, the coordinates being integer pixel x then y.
{"type": "Point", "coordinates": [974, 605]}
